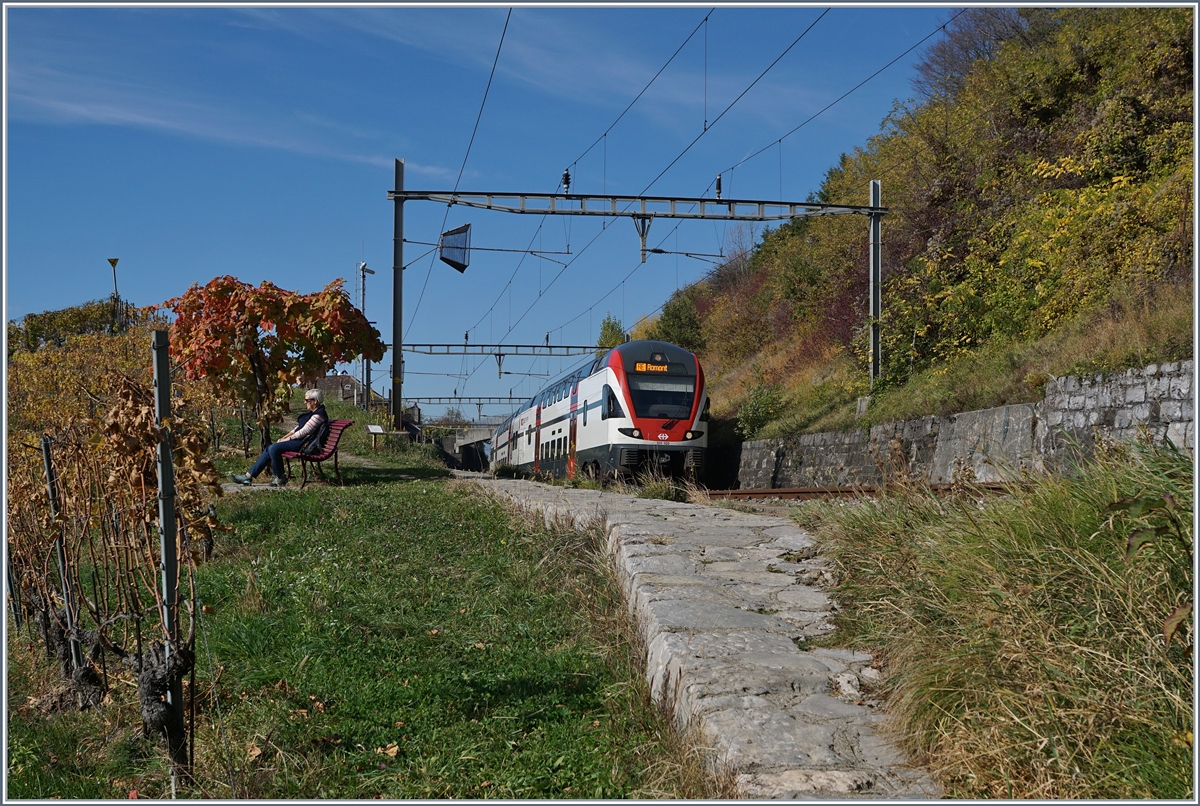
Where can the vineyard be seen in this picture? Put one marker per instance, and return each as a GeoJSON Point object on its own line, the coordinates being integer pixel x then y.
{"type": "Point", "coordinates": [111, 481]}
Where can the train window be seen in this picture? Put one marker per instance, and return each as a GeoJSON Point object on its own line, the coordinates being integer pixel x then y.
{"type": "Point", "coordinates": [662, 397]}
{"type": "Point", "coordinates": [585, 413]}
{"type": "Point", "coordinates": [610, 407]}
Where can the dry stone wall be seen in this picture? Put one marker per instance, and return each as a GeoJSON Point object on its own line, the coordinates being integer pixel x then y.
{"type": "Point", "coordinates": [988, 445]}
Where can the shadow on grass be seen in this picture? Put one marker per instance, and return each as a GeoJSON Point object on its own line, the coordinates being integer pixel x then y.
{"type": "Point", "coordinates": [530, 695]}
{"type": "Point", "coordinates": [387, 475]}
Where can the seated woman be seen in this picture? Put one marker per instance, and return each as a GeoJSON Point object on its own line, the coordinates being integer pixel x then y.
{"type": "Point", "coordinates": [308, 427]}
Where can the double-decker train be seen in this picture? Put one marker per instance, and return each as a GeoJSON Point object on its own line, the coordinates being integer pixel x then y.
{"type": "Point", "coordinates": [641, 405]}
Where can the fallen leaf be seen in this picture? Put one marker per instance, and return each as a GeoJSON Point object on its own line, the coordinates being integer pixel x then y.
{"type": "Point", "coordinates": [390, 751]}
{"type": "Point", "coordinates": [433, 632]}
{"type": "Point", "coordinates": [253, 752]}
{"type": "Point", "coordinates": [479, 645]}
{"type": "Point", "coordinates": [399, 724]}
{"type": "Point", "coordinates": [595, 723]}
{"type": "Point", "coordinates": [208, 610]}
{"type": "Point", "coordinates": [301, 712]}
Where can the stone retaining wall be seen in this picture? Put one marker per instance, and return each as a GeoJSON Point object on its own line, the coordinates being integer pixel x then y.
{"type": "Point", "coordinates": [989, 444]}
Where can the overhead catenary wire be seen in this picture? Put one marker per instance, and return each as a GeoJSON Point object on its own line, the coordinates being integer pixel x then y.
{"type": "Point", "coordinates": [843, 96]}
{"type": "Point", "coordinates": [612, 125]}
{"type": "Point", "coordinates": [734, 101]}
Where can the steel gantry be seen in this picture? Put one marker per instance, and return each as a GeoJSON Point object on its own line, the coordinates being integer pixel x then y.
{"type": "Point", "coordinates": [501, 351]}
{"type": "Point", "coordinates": [482, 401]}
{"type": "Point", "coordinates": [642, 209]}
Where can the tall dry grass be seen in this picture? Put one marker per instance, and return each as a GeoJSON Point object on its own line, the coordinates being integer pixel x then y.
{"type": "Point", "coordinates": [1025, 654]}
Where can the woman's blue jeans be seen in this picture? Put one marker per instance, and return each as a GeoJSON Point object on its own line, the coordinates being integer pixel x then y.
{"type": "Point", "coordinates": [273, 456]}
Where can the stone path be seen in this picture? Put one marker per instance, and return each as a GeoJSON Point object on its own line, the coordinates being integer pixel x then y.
{"type": "Point", "coordinates": [724, 601]}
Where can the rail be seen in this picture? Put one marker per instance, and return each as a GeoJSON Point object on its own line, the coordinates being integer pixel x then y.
{"type": "Point", "coordinates": [808, 493]}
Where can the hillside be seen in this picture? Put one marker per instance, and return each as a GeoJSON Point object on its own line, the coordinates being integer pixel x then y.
{"type": "Point", "coordinates": [1040, 222]}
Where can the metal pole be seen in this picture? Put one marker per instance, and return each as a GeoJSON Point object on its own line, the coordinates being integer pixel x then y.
{"type": "Point", "coordinates": [362, 306]}
{"type": "Point", "coordinates": [112, 261]}
{"type": "Point", "coordinates": [60, 549]}
{"type": "Point", "coordinates": [876, 262]}
{"type": "Point", "coordinates": [398, 304]}
{"type": "Point", "coordinates": [166, 512]}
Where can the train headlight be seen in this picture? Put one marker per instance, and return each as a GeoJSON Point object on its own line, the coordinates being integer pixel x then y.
{"type": "Point", "coordinates": [636, 433]}
{"type": "Point", "coordinates": [692, 434]}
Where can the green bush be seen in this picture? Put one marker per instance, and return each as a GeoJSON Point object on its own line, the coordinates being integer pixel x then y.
{"type": "Point", "coordinates": [760, 405]}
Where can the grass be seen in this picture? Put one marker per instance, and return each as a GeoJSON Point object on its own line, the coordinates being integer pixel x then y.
{"type": "Point", "coordinates": [399, 637]}
{"type": "Point", "coordinates": [1025, 654]}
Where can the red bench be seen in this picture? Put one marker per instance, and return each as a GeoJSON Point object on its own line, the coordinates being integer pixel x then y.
{"type": "Point", "coordinates": [336, 427]}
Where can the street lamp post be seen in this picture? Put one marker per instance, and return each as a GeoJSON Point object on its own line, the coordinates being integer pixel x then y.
{"type": "Point", "coordinates": [363, 271]}
{"type": "Point", "coordinates": [112, 261]}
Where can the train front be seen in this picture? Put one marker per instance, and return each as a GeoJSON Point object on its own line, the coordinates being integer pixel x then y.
{"type": "Point", "coordinates": [662, 390]}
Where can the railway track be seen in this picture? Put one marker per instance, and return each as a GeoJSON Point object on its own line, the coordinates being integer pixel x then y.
{"type": "Point", "coordinates": [806, 493]}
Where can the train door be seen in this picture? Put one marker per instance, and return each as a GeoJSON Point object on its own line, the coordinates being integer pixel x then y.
{"type": "Point", "coordinates": [537, 437]}
{"type": "Point", "coordinates": [571, 431]}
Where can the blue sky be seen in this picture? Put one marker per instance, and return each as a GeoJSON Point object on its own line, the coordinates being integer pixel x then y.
{"type": "Point", "coordinates": [259, 142]}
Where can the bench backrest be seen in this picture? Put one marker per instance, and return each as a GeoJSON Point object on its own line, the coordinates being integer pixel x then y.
{"type": "Point", "coordinates": [336, 427]}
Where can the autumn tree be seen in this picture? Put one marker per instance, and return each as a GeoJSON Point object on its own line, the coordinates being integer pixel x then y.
{"type": "Point", "coordinates": [253, 343]}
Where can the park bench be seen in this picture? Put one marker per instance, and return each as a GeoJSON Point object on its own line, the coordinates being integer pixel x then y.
{"type": "Point", "coordinates": [330, 450]}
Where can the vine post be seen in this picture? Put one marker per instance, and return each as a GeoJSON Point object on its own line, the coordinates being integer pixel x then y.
{"type": "Point", "coordinates": [61, 551]}
{"type": "Point", "coordinates": [160, 347]}
{"type": "Point", "coordinates": [13, 602]}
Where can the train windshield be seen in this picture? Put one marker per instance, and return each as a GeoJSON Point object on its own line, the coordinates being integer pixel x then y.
{"type": "Point", "coordinates": [662, 397]}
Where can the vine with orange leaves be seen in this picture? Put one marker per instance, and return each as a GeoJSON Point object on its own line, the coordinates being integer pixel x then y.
{"type": "Point", "coordinates": [252, 344]}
